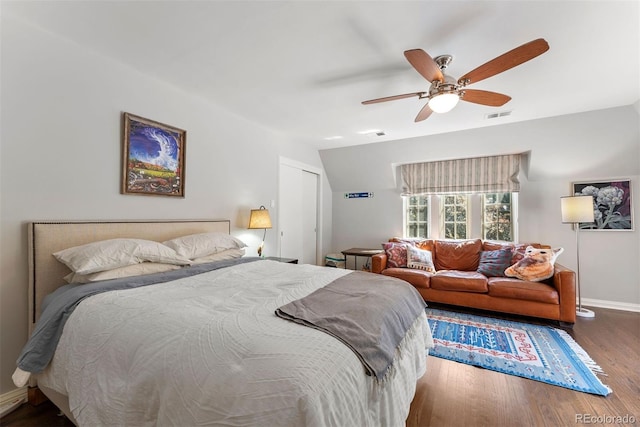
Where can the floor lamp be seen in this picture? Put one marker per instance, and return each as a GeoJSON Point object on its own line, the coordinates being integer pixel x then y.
{"type": "Point", "coordinates": [260, 219]}
{"type": "Point", "coordinates": [577, 209]}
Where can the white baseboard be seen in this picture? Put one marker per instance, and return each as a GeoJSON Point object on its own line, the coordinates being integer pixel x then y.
{"type": "Point", "coordinates": [615, 305]}
{"type": "Point", "coordinates": [11, 400]}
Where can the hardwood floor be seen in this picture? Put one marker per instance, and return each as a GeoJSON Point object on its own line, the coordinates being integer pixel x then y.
{"type": "Point", "coordinates": [43, 415]}
{"type": "Point", "coordinates": [453, 394]}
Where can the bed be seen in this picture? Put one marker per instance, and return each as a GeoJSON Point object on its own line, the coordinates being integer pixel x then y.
{"type": "Point", "coordinates": [208, 344]}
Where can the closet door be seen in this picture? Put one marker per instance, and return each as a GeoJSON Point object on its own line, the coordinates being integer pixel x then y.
{"type": "Point", "coordinates": [298, 214]}
{"type": "Point", "coordinates": [290, 213]}
{"type": "Point", "coordinates": [309, 216]}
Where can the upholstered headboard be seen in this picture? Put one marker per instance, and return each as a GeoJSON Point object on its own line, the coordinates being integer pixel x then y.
{"type": "Point", "coordinates": [46, 237]}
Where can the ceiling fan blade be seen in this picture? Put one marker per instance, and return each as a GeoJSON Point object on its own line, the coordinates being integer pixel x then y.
{"type": "Point", "coordinates": [506, 61]}
{"type": "Point", "coordinates": [424, 113]}
{"type": "Point", "coordinates": [424, 64]}
{"type": "Point", "coordinates": [394, 97]}
{"type": "Point", "coordinates": [485, 97]}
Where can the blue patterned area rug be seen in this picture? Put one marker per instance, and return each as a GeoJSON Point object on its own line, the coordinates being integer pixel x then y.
{"type": "Point", "coordinates": [537, 352]}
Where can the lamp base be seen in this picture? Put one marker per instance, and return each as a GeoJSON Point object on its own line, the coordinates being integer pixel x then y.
{"type": "Point", "coordinates": [583, 312]}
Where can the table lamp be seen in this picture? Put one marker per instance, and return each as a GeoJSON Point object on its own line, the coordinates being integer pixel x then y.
{"type": "Point", "coordinates": [260, 219]}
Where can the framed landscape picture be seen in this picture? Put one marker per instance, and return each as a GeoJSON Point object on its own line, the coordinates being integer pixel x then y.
{"type": "Point", "coordinates": [612, 207]}
{"type": "Point", "coordinates": [152, 157]}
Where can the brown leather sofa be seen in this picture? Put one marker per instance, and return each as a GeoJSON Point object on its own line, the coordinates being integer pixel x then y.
{"type": "Point", "coordinates": [457, 282]}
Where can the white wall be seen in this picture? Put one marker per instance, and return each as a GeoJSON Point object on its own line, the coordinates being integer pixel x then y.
{"type": "Point", "coordinates": [608, 259]}
{"type": "Point", "coordinates": [60, 157]}
{"type": "Point", "coordinates": [598, 145]}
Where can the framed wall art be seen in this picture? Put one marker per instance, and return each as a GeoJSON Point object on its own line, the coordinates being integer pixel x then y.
{"type": "Point", "coordinates": [612, 207]}
{"type": "Point", "coordinates": [153, 157]}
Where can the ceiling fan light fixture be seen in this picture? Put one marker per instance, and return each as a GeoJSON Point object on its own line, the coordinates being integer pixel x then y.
{"type": "Point", "coordinates": [445, 91]}
{"type": "Point", "coordinates": [444, 102]}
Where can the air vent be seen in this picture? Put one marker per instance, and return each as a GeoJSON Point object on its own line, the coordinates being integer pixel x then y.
{"type": "Point", "coordinates": [496, 115]}
{"type": "Point", "coordinates": [372, 133]}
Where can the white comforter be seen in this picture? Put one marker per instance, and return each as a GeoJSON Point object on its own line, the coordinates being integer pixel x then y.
{"type": "Point", "coordinates": [209, 350]}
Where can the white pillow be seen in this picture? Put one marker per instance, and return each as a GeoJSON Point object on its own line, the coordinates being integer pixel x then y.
{"type": "Point", "coordinates": [226, 254]}
{"type": "Point", "coordinates": [420, 259]}
{"type": "Point", "coordinates": [116, 273]}
{"type": "Point", "coordinates": [113, 253]}
{"type": "Point", "coordinates": [203, 244]}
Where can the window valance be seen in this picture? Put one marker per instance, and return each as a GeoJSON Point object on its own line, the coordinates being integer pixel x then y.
{"type": "Point", "coordinates": [494, 174]}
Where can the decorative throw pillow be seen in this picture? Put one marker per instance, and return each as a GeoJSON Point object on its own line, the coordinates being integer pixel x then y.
{"type": "Point", "coordinates": [519, 250]}
{"type": "Point", "coordinates": [493, 263]}
{"type": "Point", "coordinates": [396, 254]}
{"type": "Point", "coordinates": [420, 259]}
{"type": "Point", "coordinates": [203, 244]}
{"type": "Point", "coordinates": [536, 265]}
{"type": "Point", "coordinates": [113, 253]}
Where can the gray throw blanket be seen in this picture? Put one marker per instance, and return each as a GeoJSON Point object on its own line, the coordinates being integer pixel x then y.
{"type": "Point", "coordinates": [370, 313]}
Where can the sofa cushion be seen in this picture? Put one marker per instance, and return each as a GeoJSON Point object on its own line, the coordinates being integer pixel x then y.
{"type": "Point", "coordinates": [418, 278]}
{"type": "Point", "coordinates": [396, 254]}
{"type": "Point", "coordinates": [463, 255]}
{"type": "Point", "coordinates": [463, 281]}
{"type": "Point", "coordinates": [427, 245]}
{"type": "Point", "coordinates": [420, 259]}
{"type": "Point", "coordinates": [418, 242]}
{"type": "Point", "coordinates": [505, 287]}
{"type": "Point", "coordinates": [492, 245]}
{"type": "Point", "coordinates": [493, 263]}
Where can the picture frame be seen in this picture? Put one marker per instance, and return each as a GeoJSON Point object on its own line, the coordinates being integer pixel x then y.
{"type": "Point", "coordinates": [153, 157]}
{"type": "Point", "coordinates": [613, 209]}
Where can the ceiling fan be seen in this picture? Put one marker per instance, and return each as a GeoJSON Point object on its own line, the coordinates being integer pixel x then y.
{"type": "Point", "coordinates": [445, 91]}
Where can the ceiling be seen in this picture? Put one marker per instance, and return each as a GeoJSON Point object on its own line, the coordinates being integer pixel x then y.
{"type": "Point", "coordinates": [302, 68]}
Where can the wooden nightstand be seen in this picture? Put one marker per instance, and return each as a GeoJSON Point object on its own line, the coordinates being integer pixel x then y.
{"type": "Point", "coordinates": [287, 260]}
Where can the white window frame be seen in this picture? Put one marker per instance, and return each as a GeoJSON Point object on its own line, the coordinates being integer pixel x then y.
{"type": "Point", "coordinates": [475, 216]}
{"type": "Point", "coordinates": [467, 222]}
{"type": "Point", "coordinates": [514, 215]}
{"type": "Point", "coordinates": [405, 222]}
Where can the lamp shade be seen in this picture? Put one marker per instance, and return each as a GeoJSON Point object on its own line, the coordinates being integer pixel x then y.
{"type": "Point", "coordinates": [444, 102]}
{"type": "Point", "coordinates": [260, 218]}
{"type": "Point", "coordinates": [577, 209]}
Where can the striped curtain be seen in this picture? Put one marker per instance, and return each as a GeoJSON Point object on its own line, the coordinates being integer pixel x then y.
{"type": "Point", "coordinates": [495, 174]}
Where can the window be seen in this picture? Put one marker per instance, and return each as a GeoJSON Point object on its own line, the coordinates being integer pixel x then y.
{"type": "Point", "coordinates": [490, 216]}
{"type": "Point", "coordinates": [477, 197]}
{"type": "Point", "coordinates": [454, 216]}
{"type": "Point", "coordinates": [417, 216]}
{"type": "Point", "coordinates": [496, 217]}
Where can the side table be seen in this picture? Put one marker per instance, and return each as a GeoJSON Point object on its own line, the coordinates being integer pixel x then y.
{"type": "Point", "coordinates": [359, 252]}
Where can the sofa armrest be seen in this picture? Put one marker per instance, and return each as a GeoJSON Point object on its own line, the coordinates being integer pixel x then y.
{"type": "Point", "coordinates": [564, 280]}
{"type": "Point", "coordinates": [378, 262]}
